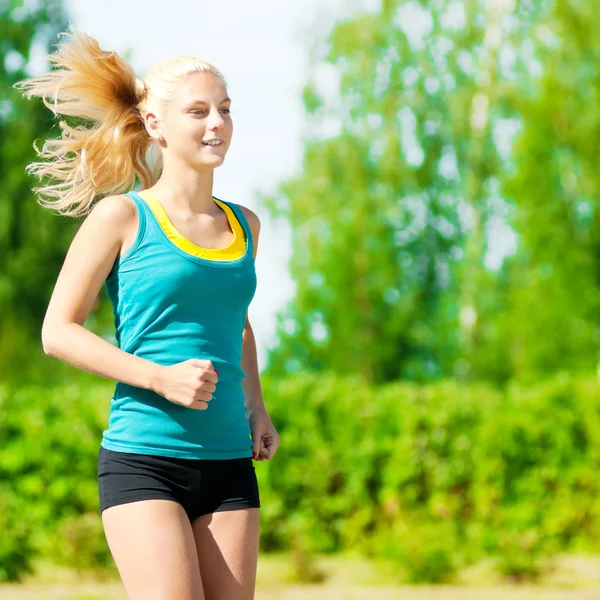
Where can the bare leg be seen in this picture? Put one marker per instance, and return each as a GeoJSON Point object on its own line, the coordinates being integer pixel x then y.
{"type": "Point", "coordinates": [153, 547]}
{"type": "Point", "coordinates": [227, 545]}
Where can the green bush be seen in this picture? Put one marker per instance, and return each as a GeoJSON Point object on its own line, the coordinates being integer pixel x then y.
{"type": "Point", "coordinates": [80, 543]}
{"type": "Point", "coordinates": [49, 441]}
{"type": "Point", "coordinates": [426, 551]}
{"type": "Point", "coordinates": [521, 558]}
{"type": "Point", "coordinates": [16, 548]}
{"type": "Point", "coordinates": [357, 462]}
{"type": "Point", "coordinates": [433, 476]}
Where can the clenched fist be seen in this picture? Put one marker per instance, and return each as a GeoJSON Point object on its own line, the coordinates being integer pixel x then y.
{"type": "Point", "coordinates": [190, 383]}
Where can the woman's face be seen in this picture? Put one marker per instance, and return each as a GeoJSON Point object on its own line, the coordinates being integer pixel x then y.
{"type": "Point", "coordinates": [197, 125]}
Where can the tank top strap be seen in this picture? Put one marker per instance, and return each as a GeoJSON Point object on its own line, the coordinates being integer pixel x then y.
{"type": "Point", "coordinates": [239, 213]}
{"type": "Point", "coordinates": [142, 209]}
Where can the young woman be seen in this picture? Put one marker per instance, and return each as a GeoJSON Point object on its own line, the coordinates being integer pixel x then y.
{"type": "Point", "coordinates": [178, 492]}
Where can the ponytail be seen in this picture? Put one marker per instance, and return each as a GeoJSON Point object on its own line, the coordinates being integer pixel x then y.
{"type": "Point", "coordinates": [103, 155]}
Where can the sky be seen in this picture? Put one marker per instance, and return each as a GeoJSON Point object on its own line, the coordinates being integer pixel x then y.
{"type": "Point", "coordinates": [263, 50]}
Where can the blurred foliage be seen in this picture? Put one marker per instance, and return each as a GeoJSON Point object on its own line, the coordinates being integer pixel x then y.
{"type": "Point", "coordinates": [436, 476]}
{"type": "Point", "coordinates": [49, 440]}
{"type": "Point", "coordinates": [16, 547]}
{"type": "Point", "coordinates": [390, 211]}
{"type": "Point", "coordinates": [80, 544]}
{"type": "Point", "coordinates": [555, 297]}
{"type": "Point", "coordinates": [33, 240]}
{"type": "Point", "coordinates": [413, 193]}
{"type": "Point", "coordinates": [433, 477]}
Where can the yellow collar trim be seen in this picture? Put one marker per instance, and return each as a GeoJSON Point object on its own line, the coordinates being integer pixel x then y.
{"type": "Point", "coordinates": [235, 249]}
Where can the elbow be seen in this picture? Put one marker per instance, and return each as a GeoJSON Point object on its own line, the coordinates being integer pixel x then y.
{"type": "Point", "coordinates": [49, 340]}
{"type": "Point", "coordinates": [47, 345]}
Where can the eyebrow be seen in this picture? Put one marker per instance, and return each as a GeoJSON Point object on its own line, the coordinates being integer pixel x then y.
{"type": "Point", "coordinates": [226, 99]}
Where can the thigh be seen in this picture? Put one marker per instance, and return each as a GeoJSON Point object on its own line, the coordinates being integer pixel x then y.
{"type": "Point", "coordinates": [153, 546]}
{"type": "Point", "coordinates": [227, 547]}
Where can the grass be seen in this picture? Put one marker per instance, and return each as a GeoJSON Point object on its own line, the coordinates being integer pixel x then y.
{"type": "Point", "coordinates": [346, 578]}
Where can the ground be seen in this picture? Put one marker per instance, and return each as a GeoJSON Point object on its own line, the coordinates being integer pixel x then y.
{"type": "Point", "coordinates": [348, 578]}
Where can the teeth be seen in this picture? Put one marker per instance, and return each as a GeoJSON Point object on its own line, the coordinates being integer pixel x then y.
{"type": "Point", "coordinates": [213, 143]}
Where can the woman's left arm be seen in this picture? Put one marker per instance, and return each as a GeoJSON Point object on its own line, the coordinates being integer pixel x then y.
{"type": "Point", "coordinates": [265, 439]}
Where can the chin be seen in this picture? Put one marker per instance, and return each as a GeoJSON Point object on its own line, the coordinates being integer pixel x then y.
{"type": "Point", "coordinates": [210, 164]}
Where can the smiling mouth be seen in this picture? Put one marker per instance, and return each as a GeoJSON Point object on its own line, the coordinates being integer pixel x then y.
{"type": "Point", "coordinates": [214, 143]}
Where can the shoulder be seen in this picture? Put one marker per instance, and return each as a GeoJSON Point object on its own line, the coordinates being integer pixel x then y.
{"type": "Point", "coordinates": [111, 219]}
{"type": "Point", "coordinates": [101, 234]}
{"type": "Point", "coordinates": [117, 209]}
{"type": "Point", "coordinates": [115, 215]}
{"type": "Point", "coordinates": [253, 220]}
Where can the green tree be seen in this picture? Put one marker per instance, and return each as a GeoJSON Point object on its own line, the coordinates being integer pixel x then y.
{"type": "Point", "coordinates": [32, 240]}
{"type": "Point", "coordinates": [390, 215]}
{"type": "Point", "coordinates": [555, 299]}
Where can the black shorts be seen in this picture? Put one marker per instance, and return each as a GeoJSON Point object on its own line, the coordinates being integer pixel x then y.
{"type": "Point", "coordinates": [201, 486]}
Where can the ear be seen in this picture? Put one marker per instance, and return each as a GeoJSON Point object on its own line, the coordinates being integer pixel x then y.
{"type": "Point", "coordinates": [152, 125]}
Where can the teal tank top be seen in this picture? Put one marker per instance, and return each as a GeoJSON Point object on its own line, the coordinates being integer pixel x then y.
{"type": "Point", "coordinates": [170, 305]}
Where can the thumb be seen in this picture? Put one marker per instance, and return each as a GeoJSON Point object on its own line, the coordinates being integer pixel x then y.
{"type": "Point", "coordinates": [196, 362]}
{"type": "Point", "coordinates": [264, 451]}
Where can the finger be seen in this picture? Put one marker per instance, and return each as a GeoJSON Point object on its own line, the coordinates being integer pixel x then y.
{"type": "Point", "coordinates": [211, 377]}
{"type": "Point", "coordinates": [255, 447]}
{"type": "Point", "coordinates": [259, 451]}
{"type": "Point", "coordinates": [199, 405]}
{"type": "Point", "coordinates": [264, 451]}
{"type": "Point", "coordinates": [203, 396]}
{"type": "Point", "coordinates": [270, 450]}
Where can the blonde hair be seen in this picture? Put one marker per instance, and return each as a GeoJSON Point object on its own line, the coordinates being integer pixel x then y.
{"type": "Point", "coordinates": [102, 156]}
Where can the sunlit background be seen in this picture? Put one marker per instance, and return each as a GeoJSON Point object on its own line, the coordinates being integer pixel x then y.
{"type": "Point", "coordinates": [428, 305]}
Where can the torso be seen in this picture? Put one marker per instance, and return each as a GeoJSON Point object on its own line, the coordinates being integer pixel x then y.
{"type": "Point", "coordinates": [171, 304]}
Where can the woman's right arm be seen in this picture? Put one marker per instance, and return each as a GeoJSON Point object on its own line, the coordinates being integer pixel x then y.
{"type": "Point", "coordinates": [88, 262]}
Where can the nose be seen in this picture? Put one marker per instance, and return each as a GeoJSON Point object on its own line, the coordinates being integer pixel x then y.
{"type": "Point", "coordinates": [215, 119]}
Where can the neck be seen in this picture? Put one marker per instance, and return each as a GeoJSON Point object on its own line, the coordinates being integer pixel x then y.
{"type": "Point", "coordinates": [186, 189]}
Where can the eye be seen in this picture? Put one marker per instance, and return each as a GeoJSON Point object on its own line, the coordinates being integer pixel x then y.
{"type": "Point", "coordinates": [226, 111]}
